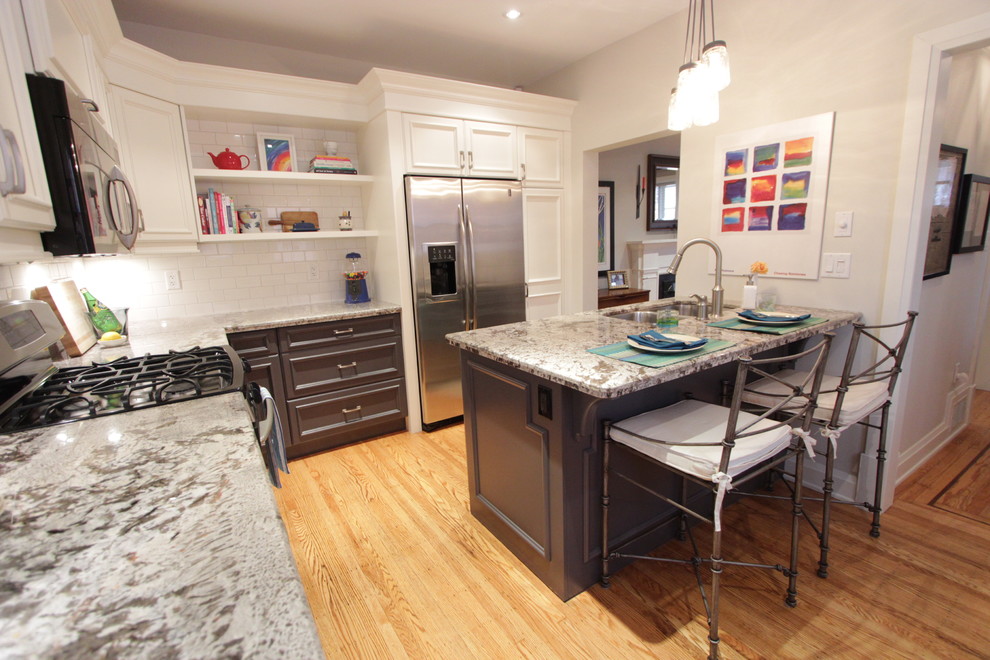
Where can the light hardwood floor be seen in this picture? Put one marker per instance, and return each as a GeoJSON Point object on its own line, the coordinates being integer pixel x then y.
{"type": "Point", "coordinates": [395, 567]}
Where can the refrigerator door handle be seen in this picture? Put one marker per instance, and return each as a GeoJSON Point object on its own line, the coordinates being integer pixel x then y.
{"type": "Point", "coordinates": [472, 280]}
{"type": "Point", "coordinates": [468, 271]}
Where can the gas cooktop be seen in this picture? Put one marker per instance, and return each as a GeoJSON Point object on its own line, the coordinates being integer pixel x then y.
{"type": "Point", "coordinates": [126, 384]}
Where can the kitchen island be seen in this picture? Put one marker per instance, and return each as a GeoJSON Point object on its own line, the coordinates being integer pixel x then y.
{"type": "Point", "coordinates": [535, 400]}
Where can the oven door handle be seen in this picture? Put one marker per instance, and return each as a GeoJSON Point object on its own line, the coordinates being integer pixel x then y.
{"type": "Point", "coordinates": [266, 425]}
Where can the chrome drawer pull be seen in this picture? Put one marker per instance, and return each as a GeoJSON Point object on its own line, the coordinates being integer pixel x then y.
{"type": "Point", "coordinates": [352, 365]}
{"type": "Point", "coordinates": [344, 332]}
{"type": "Point", "coordinates": [347, 411]}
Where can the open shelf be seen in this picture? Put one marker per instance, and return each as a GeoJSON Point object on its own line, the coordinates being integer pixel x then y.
{"type": "Point", "coordinates": [304, 178]}
{"type": "Point", "coordinates": [287, 236]}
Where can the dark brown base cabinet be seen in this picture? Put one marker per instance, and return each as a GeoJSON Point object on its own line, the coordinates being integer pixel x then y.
{"type": "Point", "coordinates": [334, 383]}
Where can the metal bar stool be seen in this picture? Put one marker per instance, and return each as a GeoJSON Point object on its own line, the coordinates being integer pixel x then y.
{"type": "Point", "coordinates": [849, 399]}
{"type": "Point", "coordinates": [720, 448]}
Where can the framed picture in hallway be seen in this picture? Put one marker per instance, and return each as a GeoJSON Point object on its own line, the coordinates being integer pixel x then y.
{"type": "Point", "coordinates": [974, 211]}
{"type": "Point", "coordinates": [945, 210]}
{"type": "Point", "coordinates": [606, 227]}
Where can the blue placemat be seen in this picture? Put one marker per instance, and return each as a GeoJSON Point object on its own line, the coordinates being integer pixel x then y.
{"type": "Point", "coordinates": [626, 353]}
{"type": "Point", "coordinates": [739, 324]}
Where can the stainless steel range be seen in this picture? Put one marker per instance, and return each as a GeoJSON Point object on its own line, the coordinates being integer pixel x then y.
{"type": "Point", "coordinates": [34, 393]}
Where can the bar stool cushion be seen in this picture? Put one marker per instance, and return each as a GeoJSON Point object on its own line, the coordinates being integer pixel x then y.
{"type": "Point", "coordinates": [860, 400]}
{"type": "Point", "coordinates": [696, 421]}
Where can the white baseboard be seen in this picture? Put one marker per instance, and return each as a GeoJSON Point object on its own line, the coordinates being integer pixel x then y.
{"type": "Point", "coordinates": [843, 483]}
{"type": "Point", "coordinates": [956, 418]}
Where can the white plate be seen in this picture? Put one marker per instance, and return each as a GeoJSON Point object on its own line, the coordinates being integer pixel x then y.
{"type": "Point", "coordinates": [684, 338]}
{"type": "Point", "coordinates": [785, 319]}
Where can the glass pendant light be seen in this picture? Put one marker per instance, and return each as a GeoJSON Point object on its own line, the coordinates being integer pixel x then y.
{"type": "Point", "coordinates": [694, 102]}
{"type": "Point", "coordinates": [716, 59]}
{"type": "Point", "coordinates": [678, 116]}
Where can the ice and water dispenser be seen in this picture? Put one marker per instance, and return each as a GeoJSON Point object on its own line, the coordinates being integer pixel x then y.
{"type": "Point", "coordinates": [443, 266]}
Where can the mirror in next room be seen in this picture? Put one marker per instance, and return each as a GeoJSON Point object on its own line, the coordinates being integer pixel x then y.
{"type": "Point", "coordinates": [661, 191]}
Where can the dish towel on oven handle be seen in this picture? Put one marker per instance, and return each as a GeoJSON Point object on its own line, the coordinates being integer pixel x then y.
{"type": "Point", "coordinates": [276, 441]}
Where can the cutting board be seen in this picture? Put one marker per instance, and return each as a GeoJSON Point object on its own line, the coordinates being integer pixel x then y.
{"type": "Point", "coordinates": [63, 296]}
{"type": "Point", "coordinates": [290, 218]}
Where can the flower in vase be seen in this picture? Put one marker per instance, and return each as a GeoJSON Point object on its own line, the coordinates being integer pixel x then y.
{"type": "Point", "coordinates": [757, 268]}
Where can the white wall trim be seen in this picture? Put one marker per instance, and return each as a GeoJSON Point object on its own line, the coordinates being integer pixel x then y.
{"type": "Point", "coordinates": [938, 437]}
{"type": "Point", "coordinates": [927, 80]}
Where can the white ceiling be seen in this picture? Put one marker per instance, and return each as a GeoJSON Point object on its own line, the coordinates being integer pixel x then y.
{"type": "Point", "coordinates": [461, 39]}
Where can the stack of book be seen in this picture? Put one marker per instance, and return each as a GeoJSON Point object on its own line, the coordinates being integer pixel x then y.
{"type": "Point", "coordinates": [331, 165]}
{"type": "Point", "coordinates": [216, 213]}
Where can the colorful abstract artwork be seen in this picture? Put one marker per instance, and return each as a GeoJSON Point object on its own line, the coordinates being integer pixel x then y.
{"type": "Point", "coordinates": [764, 189]}
{"type": "Point", "coordinates": [794, 185]}
{"type": "Point", "coordinates": [732, 219]}
{"type": "Point", "coordinates": [765, 157]}
{"type": "Point", "coordinates": [735, 162]}
{"type": "Point", "coordinates": [760, 218]}
{"type": "Point", "coordinates": [793, 217]}
{"type": "Point", "coordinates": [769, 196]}
{"type": "Point", "coordinates": [797, 153]}
{"type": "Point", "coordinates": [734, 191]}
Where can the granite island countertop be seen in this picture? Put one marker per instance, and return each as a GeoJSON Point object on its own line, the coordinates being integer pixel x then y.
{"type": "Point", "coordinates": [147, 534]}
{"type": "Point", "coordinates": [556, 348]}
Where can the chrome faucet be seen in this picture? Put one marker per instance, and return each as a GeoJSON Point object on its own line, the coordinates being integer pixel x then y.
{"type": "Point", "coordinates": [717, 290]}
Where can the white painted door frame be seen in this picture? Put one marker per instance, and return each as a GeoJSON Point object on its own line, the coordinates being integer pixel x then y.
{"type": "Point", "coordinates": [927, 84]}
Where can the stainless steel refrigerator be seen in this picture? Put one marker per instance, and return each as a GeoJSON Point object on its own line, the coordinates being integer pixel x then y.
{"type": "Point", "coordinates": [466, 256]}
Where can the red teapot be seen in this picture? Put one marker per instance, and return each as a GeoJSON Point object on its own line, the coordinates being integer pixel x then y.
{"type": "Point", "coordinates": [228, 160]}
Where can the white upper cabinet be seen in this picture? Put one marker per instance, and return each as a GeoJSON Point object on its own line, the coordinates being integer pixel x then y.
{"type": "Point", "coordinates": [541, 157]}
{"type": "Point", "coordinates": [154, 155]}
{"type": "Point", "coordinates": [434, 145]}
{"type": "Point", "coordinates": [60, 48]}
{"type": "Point", "coordinates": [491, 150]}
{"type": "Point", "coordinates": [25, 203]}
{"type": "Point", "coordinates": [440, 145]}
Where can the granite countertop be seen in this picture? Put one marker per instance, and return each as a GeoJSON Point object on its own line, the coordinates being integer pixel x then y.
{"type": "Point", "coordinates": [160, 336]}
{"type": "Point", "coordinates": [556, 348]}
{"type": "Point", "coordinates": [153, 533]}
{"type": "Point", "coordinates": [149, 534]}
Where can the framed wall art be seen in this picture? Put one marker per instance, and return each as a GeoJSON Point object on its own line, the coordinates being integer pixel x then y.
{"type": "Point", "coordinates": [606, 227]}
{"type": "Point", "coordinates": [276, 152]}
{"type": "Point", "coordinates": [945, 209]}
{"type": "Point", "coordinates": [974, 212]}
{"type": "Point", "coordinates": [770, 186]}
{"type": "Point", "coordinates": [661, 191]}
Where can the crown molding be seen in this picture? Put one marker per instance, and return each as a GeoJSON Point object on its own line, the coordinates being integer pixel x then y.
{"type": "Point", "coordinates": [384, 89]}
{"type": "Point", "coordinates": [143, 69]}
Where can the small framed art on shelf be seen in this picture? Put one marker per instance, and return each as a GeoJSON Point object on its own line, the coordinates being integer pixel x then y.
{"type": "Point", "coordinates": [276, 152]}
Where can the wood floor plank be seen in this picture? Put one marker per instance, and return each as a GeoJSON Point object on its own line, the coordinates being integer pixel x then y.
{"type": "Point", "coordinates": [395, 566]}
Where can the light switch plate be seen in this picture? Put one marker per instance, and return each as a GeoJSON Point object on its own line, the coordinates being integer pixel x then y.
{"type": "Point", "coordinates": [843, 223]}
{"type": "Point", "coordinates": [836, 264]}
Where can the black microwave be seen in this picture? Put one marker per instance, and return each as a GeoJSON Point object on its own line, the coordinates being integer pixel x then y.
{"type": "Point", "coordinates": [96, 211]}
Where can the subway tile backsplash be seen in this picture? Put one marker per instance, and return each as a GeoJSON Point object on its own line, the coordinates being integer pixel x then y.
{"type": "Point", "coordinates": [223, 277]}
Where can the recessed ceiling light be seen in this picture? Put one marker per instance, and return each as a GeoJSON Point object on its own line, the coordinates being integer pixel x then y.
{"type": "Point", "coordinates": [513, 14]}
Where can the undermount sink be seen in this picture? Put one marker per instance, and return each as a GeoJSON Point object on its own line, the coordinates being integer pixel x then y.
{"type": "Point", "coordinates": [684, 308]}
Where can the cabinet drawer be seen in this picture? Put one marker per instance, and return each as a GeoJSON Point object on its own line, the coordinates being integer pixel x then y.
{"type": "Point", "coordinates": [329, 420]}
{"type": "Point", "coordinates": [254, 343]}
{"type": "Point", "coordinates": [335, 367]}
{"type": "Point", "coordinates": [302, 337]}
